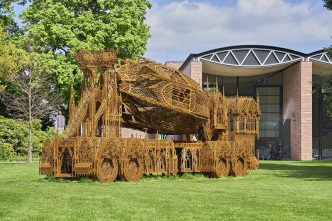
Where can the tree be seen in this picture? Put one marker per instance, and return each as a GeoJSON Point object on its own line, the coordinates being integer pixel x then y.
{"type": "Point", "coordinates": [32, 95]}
{"type": "Point", "coordinates": [64, 26]}
{"type": "Point", "coordinates": [11, 60]}
{"type": "Point", "coordinates": [7, 16]}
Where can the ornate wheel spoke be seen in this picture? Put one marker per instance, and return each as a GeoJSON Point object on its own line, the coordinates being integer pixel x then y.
{"type": "Point", "coordinates": [240, 167]}
{"type": "Point", "coordinates": [107, 170]}
{"type": "Point", "coordinates": [133, 169]}
{"type": "Point", "coordinates": [222, 168]}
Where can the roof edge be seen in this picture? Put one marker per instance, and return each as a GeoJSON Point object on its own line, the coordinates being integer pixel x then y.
{"type": "Point", "coordinates": [192, 56]}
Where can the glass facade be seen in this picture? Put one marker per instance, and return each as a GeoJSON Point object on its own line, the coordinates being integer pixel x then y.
{"type": "Point", "coordinates": [322, 123]}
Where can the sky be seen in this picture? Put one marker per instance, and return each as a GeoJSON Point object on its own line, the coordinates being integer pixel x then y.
{"type": "Point", "coordinates": [181, 27]}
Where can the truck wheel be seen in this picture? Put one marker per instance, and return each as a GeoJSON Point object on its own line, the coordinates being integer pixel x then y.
{"type": "Point", "coordinates": [240, 167]}
{"type": "Point", "coordinates": [222, 168]}
{"type": "Point", "coordinates": [107, 170]}
{"type": "Point", "coordinates": [133, 169]}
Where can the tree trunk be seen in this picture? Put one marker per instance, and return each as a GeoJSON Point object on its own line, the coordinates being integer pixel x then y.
{"type": "Point", "coordinates": [30, 141]}
{"type": "Point", "coordinates": [30, 123]}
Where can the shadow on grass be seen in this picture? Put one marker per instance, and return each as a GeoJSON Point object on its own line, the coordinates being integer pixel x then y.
{"type": "Point", "coordinates": [311, 171]}
{"type": "Point", "coordinates": [152, 177]}
{"type": "Point", "coordinates": [179, 176]}
{"type": "Point", "coordinates": [316, 170]}
{"type": "Point", "coordinates": [68, 180]}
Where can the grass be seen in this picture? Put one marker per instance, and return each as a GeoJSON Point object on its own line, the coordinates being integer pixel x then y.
{"type": "Point", "coordinates": [20, 159]}
{"type": "Point", "coordinates": [277, 191]}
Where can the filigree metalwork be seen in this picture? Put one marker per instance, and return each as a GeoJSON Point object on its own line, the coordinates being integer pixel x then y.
{"type": "Point", "coordinates": [146, 95]}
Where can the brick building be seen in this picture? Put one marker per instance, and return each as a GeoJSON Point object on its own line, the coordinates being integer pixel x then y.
{"type": "Point", "coordinates": [289, 84]}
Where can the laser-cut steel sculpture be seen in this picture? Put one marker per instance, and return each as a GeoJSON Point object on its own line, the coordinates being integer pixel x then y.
{"type": "Point", "coordinates": [146, 95]}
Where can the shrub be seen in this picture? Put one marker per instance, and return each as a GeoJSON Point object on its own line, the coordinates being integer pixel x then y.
{"type": "Point", "coordinates": [6, 151]}
{"type": "Point", "coordinates": [14, 137]}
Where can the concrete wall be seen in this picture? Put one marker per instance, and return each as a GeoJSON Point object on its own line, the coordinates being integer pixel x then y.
{"type": "Point", "coordinates": [197, 71]}
{"type": "Point", "coordinates": [297, 107]}
{"type": "Point", "coordinates": [194, 70]}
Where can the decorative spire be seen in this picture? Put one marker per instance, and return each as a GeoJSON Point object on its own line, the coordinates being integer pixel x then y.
{"type": "Point", "coordinates": [237, 92]}
{"type": "Point", "coordinates": [257, 97]}
{"type": "Point", "coordinates": [207, 84]}
{"type": "Point", "coordinates": [217, 87]}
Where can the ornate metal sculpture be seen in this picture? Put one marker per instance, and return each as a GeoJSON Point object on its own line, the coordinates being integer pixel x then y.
{"type": "Point", "coordinates": [149, 96]}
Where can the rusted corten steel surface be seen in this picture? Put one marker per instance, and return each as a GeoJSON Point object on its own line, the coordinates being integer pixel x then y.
{"type": "Point", "coordinates": [218, 132]}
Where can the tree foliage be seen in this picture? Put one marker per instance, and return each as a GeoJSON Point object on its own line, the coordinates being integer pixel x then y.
{"type": "Point", "coordinates": [32, 91]}
{"type": "Point", "coordinates": [64, 26]}
{"type": "Point", "coordinates": [7, 16]}
{"type": "Point", "coordinates": [11, 60]}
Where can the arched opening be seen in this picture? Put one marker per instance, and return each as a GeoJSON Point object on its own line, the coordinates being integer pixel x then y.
{"type": "Point", "coordinates": [66, 162]}
{"type": "Point", "coordinates": [100, 128]}
{"type": "Point", "coordinates": [189, 160]}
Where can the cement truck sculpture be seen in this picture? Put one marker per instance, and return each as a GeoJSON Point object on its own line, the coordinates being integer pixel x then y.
{"type": "Point", "coordinates": [218, 133]}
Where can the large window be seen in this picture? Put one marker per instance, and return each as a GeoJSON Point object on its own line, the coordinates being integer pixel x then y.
{"type": "Point", "coordinates": [246, 86]}
{"type": "Point", "coordinates": [230, 85]}
{"type": "Point", "coordinates": [212, 81]}
{"type": "Point", "coordinates": [270, 107]}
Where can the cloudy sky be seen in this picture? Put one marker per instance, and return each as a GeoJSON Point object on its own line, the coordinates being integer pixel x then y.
{"type": "Point", "coordinates": [181, 27]}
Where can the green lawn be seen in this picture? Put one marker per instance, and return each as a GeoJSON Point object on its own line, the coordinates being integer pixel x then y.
{"type": "Point", "coordinates": [277, 191]}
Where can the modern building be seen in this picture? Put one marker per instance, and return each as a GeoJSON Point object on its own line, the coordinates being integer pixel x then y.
{"type": "Point", "coordinates": [289, 83]}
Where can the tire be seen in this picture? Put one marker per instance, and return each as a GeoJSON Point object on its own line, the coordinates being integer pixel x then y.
{"type": "Point", "coordinates": [221, 169]}
{"type": "Point", "coordinates": [107, 170]}
{"type": "Point", "coordinates": [133, 169]}
{"type": "Point", "coordinates": [240, 167]}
